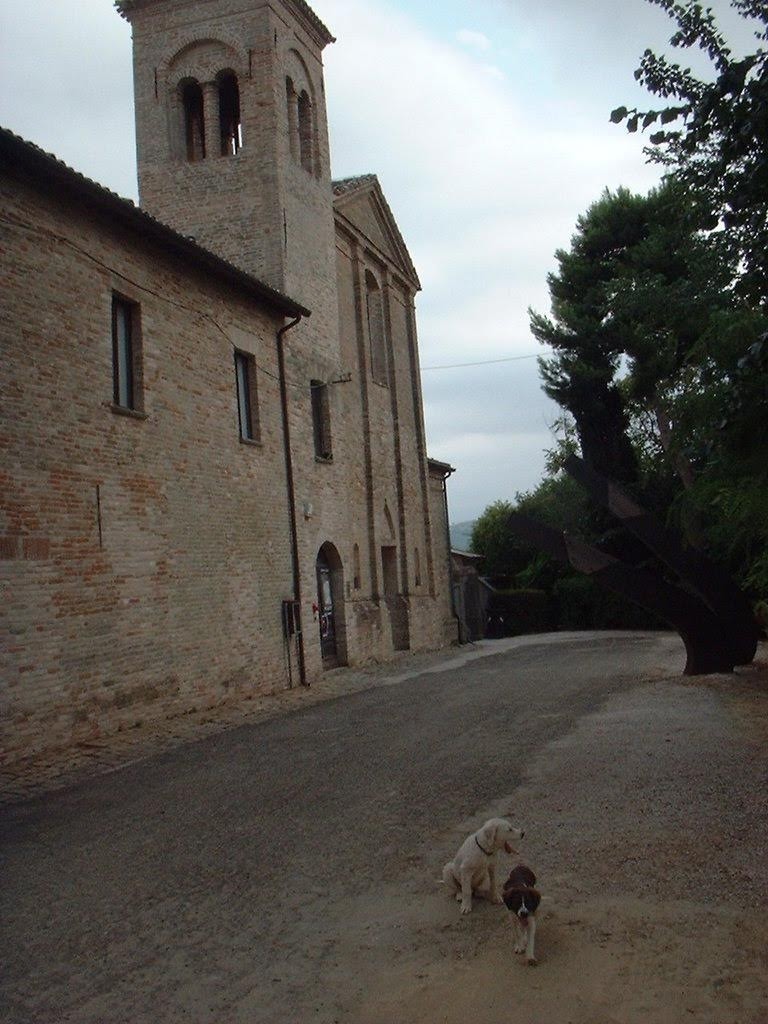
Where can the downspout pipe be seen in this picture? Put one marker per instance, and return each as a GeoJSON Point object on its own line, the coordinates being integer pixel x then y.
{"type": "Point", "coordinates": [448, 472]}
{"type": "Point", "coordinates": [291, 494]}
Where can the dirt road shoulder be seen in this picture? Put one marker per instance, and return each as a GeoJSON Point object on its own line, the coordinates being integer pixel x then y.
{"type": "Point", "coordinates": [648, 829]}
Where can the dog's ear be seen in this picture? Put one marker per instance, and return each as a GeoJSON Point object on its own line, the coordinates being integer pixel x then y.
{"type": "Point", "coordinates": [488, 834]}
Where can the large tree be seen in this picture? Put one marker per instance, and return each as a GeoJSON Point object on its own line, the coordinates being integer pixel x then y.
{"type": "Point", "coordinates": [712, 135]}
{"type": "Point", "coordinates": [635, 299]}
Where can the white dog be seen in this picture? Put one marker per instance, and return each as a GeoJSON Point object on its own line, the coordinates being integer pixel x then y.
{"type": "Point", "coordinates": [473, 869]}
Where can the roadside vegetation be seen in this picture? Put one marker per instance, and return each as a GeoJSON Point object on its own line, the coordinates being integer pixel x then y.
{"type": "Point", "coordinates": [658, 339]}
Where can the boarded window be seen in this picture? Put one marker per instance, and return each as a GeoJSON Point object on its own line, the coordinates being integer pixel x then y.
{"type": "Point", "coordinates": [126, 353]}
{"type": "Point", "coordinates": [321, 419]}
{"type": "Point", "coordinates": [194, 120]}
{"type": "Point", "coordinates": [247, 398]}
{"type": "Point", "coordinates": [376, 328]}
{"type": "Point", "coordinates": [292, 115]}
{"type": "Point", "coordinates": [230, 124]}
{"type": "Point", "coordinates": [389, 570]}
{"type": "Point", "coordinates": [356, 566]}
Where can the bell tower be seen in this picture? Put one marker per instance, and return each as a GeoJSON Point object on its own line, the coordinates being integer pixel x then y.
{"type": "Point", "coordinates": [232, 138]}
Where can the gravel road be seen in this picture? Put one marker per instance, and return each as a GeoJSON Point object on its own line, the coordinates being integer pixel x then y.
{"type": "Point", "coordinates": [284, 871]}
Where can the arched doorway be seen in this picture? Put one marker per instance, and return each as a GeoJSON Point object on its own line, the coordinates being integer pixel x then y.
{"type": "Point", "coordinates": [330, 606]}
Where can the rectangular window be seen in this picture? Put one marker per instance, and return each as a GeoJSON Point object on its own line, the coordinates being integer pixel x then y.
{"type": "Point", "coordinates": [321, 419]}
{"type": "Point", "coordinates": [247, 399]}
{"type": "Point", "coordinates": [126, 354]}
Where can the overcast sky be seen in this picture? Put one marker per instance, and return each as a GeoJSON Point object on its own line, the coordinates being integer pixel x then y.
{"type": "Point", "coordinates": [487, 122]}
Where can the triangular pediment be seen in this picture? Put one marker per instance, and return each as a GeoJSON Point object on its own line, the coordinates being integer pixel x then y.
{"type": "Point", "coordinates": [361, 203]}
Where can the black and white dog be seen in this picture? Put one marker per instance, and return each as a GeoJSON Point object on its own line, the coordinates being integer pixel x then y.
{"type": "Point", "coordinates": [522, 902]}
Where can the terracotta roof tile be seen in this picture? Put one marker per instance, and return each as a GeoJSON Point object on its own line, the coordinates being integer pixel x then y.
{"type": "Point", "coordinates": [48, 169]}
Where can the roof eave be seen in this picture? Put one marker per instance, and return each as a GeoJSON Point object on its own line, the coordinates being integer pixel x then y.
{"type": "Point", "coordinates": [35, 162]}
{"type": "Point", "coordinates": [445, 469]}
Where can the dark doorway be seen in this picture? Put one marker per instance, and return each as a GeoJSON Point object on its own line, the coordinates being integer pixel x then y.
{"type": "Point", "coordinates": [325, 612]}
{"type": "Point", "coordinates": [330, 606]}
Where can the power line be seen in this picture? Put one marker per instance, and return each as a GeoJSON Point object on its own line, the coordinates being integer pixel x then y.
{"type": "Point", "coordinates": [482, 362]}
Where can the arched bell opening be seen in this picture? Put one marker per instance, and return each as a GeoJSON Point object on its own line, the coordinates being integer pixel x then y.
{"type": "Point", "coordinates": [193, 119]}
{"type": "Point", "coordinates": [230, 122]}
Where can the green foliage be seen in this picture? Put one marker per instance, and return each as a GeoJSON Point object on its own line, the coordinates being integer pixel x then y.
{"type": "Point", "coordinates": [735, 511]}
{"type": "Point", "coordinates": [713, 137]}
{"type": "Point", "coordinates": [717, 144]}
{"type": "Point", "coordinates": [638, 290]}
{"type": "Point", "coordinates": [664, 368]}
{"type": "Point", "coordinates": [566, 442]}
{"type": "Point", "coordinates": [581, 604]}
{"type": "Point", "coordinates": [491, 539]}
{"type": "Point", "coordinates": [559, 502]}
{"type": "Point", "coordinates": [659, 327]}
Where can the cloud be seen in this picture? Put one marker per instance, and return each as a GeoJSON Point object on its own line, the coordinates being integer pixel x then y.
{"type": "Point", "coordinates": [486, 181]}
{"type": "Point", "coordinates": [473, 40]}
{"type": "Point", "coordinates": [592, 49]}
{"type": "Point", "coordinates": [493, 72]}
{"type": "Point", "coordinates": [67, 84]}
{"type": "Point", "coordinates": [478, 481]}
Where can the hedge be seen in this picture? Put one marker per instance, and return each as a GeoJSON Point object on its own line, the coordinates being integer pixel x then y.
{"type": "Point", "coordinates": [582, 604]}
{"type": "Point", "coordinates": [512, 612]}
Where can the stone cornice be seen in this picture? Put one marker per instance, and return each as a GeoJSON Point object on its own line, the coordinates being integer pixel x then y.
{"type": "Point", "coordinates": [299, 9]}
{"type": "Point", "coordinates": [344, 191]}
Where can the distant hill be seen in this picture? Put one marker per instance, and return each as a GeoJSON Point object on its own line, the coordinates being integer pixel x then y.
{"type": "Point", "coordinates": [461, 534]}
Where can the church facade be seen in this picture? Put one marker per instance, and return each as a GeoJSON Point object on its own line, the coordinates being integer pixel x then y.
{"type": "Point", "coordinates": [215, 477]}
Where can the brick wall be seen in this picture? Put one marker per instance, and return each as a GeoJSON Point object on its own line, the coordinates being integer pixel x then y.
{"type": "Point", "coordinates": [144, 559]}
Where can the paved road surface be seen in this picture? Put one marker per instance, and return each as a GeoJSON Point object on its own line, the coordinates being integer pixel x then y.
{"type": "Point", "coordinates": [243, 878]}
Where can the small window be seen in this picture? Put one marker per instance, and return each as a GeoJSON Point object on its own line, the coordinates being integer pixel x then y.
{"type": "Point", "coordinates": [247, 398]}
{"type": "Point", "coordinates": [321, 419]}
{"type": "Point", "coordinates": [417, 567]}
{"type": "Point", "coordinates": [229, 114]}
{"type": "Point", "coordinates": [194, 120]}
{"type": "Point", "coordinates": [305, 132]}
{"type": "Point", "coordinates": [376, 332]}
{"type": "Point", "coordinates": [126, 354]}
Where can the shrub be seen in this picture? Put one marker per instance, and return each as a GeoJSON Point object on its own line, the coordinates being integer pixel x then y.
{"type": "Point", "coordinates": [582, 604]}
{"type": "Point", "coordinates": [512, 612]}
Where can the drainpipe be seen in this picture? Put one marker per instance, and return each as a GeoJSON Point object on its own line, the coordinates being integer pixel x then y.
{"type": "Point", "coordinates": [446, 474]}
{"type": "Point", "coordinates": [291, 497]}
